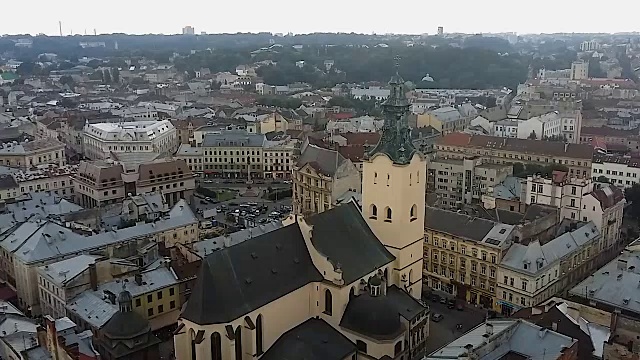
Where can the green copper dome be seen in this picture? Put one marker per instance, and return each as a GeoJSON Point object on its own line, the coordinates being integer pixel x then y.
{"type": "Point", "coordinates": [395, 141]}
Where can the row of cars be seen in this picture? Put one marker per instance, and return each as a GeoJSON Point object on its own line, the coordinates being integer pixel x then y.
{"type": "Point", "coordinates": [451, 304]}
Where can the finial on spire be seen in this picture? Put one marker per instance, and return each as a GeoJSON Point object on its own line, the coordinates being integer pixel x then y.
{"type": "Point", "coordinates": [397, 62]}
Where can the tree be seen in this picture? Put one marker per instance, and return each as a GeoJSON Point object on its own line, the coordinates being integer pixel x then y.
{"type": "Point", "coordinates": [106, 77]}
{"type": "Point", "coordinates": [27, 68]}
{"type": "Point", "coordinates": [603, 179]}
{"type": "Point", "coordinates": [115, 74]}
{"type": "Point", "coordinates": [66, 80]}
{"type": "Point", "coordinates": [632, 196]}
{"type": "Point", "coordinates": [96, 75]}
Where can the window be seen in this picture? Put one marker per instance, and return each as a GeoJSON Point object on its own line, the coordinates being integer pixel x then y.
{"type": "Point", "coordinates": [373, 210]}
{"type": "Point", "coordinates": [362, 346]}
{"type": "Point", "coordinates": [138, 304]}
{"type": "Point", "coordinates": [328, 302]}
{"type": "Point", "coordinates": [506, 280]}
{"type": "Point", "coordinates": [259, 347]}
{"type": "Point", "coordinates": [524, 285]}
{"type": "Point", "coordinates": [172, 304]}
{"type": "Point", "coordinates": [413, 213]}
{"type": "Point", "coordinates": [149, 298]}
{"type": "Point", "coordinates": [398, 348]}
{"type": "Point", "coordinates": [238, 347]}
{"type": "Point", "coordinates": [172, 291]}
{"type": "Point", "coordinates": [216, 346]}
{"type": "Point", "coordinates": [150, 312]}
{"type": "Point", "coordinates": [160, 309]}
{"type": "Point", "coordinates": [388, 214]}
{"type": "Point", "coordinates": [159, 295]}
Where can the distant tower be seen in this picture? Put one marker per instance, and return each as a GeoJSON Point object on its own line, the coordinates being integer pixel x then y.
{"type": "Point", "coordinates": [115, 45]}
{"type": "Point", "coordinates": [440, 31]}
{"type": "Point", "coordinates": [394, 176]}
{"type": "Point", "coordinates": [95, 33]}
{"type": "Point", "coordinates": [60, 26]}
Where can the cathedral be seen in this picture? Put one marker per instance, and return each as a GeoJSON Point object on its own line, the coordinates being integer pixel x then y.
{"type": "Point", "coordinates": [342, 284]}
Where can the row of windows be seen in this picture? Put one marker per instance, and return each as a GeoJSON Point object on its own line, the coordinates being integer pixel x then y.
{"type": "Point", "coordinates": [373, 213]}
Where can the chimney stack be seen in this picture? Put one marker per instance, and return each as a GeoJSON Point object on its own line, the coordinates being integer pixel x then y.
{"type": "Point", "coordinates": [93, 276]}
{"type": "Point", "coordinates": [138, 279]}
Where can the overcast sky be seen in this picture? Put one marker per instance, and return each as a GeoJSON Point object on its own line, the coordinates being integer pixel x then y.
{"type": "Point", "coordinates": [282, 16]}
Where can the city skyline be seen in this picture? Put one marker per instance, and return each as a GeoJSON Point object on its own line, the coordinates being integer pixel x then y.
{"type": "Point", "coordinates": [285, 16]}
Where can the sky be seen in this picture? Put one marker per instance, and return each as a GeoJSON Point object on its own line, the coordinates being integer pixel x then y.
{"type": "Point", "coordinates": [283, 16]}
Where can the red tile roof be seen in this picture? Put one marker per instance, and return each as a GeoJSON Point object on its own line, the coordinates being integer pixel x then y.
{"type": "Point", "coordinates": [606, 131]}
{"type": "Point", "coordinates": [355, 153]}
{"type": "Point", "coordinates": [361, 138]}
{"type": "Point", "coordinates": [455, 139]}
{"type": "Point", "coordinates": [608, 196]}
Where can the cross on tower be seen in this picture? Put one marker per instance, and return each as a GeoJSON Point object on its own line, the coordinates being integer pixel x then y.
{"type": "Point", "coordinates": [397, 62]}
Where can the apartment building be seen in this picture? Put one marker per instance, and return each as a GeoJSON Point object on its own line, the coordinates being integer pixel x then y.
{"type": "Point", "coordinates": [560, 191]}
{"type": "Point", "coordinates": [619, 170]}
{"type": "Point", "coordinates": [32, 153]}
{"type": "Point", "coordinates": [100, 183]}
{"type": "Point", "coordinates": [8, 188]}
{"type": "Point", "coordinates": [61, 281]}
{"type": "Point", "coordinates": [37, 243]}
{"type": "Point", "coordinates": [532, 273]}
{"type": "Point", "coordinates": [154, 295]}
{"type": "Point", "coordinates": [448, 119]}
{"type": "Point", "coordinates": [279, 157]}
{"type": "Point", "coordinates": [49, 178]}
{"type": "Point", "coordinates": [579, 200]}
{"type": "Point", "coordinates": [320, 177]}
{"type": "Point", "coordinates": [106, 140]}
{"type": "Point", "coordinates": [576, 157]}
{"type": "Point", "coordinates": [462, 254]}
{"type": "Point", "coordinates": [233, 154]}
{"type": "Point", "coordinates": [464, 181]}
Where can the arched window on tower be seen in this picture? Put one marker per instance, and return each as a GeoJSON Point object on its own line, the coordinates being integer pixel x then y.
{"type": "Point", "coordinates": [388, 179]}
{"type": "Point", "coordinates": [387, 212]}
{"type": "Point", "coordinates": [373, 212]}
{"type": "Point", "coordinates": [192, 338]}
{"type": "Point", "coordinates": [259, 349]}
{"type": "Point", "coordinates": [418, 177]}
{"type": "Point", "coordinates": [413, 213]}
{"type": "Point", "coordinates": [328, 302]}
{"type": "Point", "coordinates": [216, 346]}
{"type": "Point", "coordinates": [238, 347]}
{"type": "Point", "coordinates": [375, 177]}
{"type": "Point", "coordinates": [409, 179]}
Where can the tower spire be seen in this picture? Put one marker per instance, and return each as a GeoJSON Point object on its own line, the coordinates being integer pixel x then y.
{"type": "Point", "coordinates": [395, 141]}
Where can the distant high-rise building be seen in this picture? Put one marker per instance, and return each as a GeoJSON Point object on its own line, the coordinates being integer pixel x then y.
{"type": "Point", "coordinates": [579, 70]}
{"type": "Point", "coordinates": [440, 30]}
{"type": "Point", "coordinates": [188, 30]}
{"type": "Point", "coordinates": [590, 45]}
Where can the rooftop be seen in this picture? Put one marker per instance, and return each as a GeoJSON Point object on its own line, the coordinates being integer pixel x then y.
{"type": "Point", "coordinates": [129, 131]}
{"type": "Point", "coordinates": [208, 246]}
{"type": "Point", "coordinates": [520, 337]}
{"type": "Point", "coordinates": [150, 281]}
{"type": "Point", "coordinates": [27, 147]}
{"type": "Point", "coordinates": [62, 272]}
{"type": "Point", "coordinates": [527, 146]}
{"type": "Point", "coordinates": [37, 240]}
{"type": "Point", "coordinates": [534, 258]}
{"type": "Point", "coordinates": [233, 139]}
{"type": "Point", "coordinates": [616, 283]}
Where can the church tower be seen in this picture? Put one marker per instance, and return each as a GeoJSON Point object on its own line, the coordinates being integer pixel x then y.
{"type": "Point", "coordinates": [393, 191]}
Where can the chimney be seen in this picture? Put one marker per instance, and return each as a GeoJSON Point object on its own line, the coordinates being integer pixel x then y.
{"type": "Point", "coordinates": [614, 321]}
{"type": "Point", "coordinates": [622, 264]}
{"type": "Point", "coordinates": [469, 349]}
{"type": "Point", "coordinates": [138, 279]}
{"type": "Point", "coordinates": [93, 277]}
{"type": "Point", "coordinates": [489, 329]}
{"type": "Point", "coordinates": [554, 326]}
{"type": "Point", "coordinates": [566, 146]}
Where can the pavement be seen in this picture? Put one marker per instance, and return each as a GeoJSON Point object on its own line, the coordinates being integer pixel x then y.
{"type": "Point", "coordinates": [443, 332]}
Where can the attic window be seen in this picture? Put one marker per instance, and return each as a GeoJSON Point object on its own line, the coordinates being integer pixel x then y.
{"type": "Point", "coordinates": [526, 266]}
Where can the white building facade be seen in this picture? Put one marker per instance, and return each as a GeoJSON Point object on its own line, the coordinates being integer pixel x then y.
{"type": "Point", "coordinates": [102, 139]}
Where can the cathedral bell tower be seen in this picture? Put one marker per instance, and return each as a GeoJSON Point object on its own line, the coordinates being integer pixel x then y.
{"type": "Point", "coordinates": [393, 191]}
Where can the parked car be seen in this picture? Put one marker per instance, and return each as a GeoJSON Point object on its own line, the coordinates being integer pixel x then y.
{"type": "Point", "coordinates": [437, 317]}
{"type": "Point", "coordinates": [435, 298]}
{"type": "Point", "coordinates": [443, 300]}
{"type": "Point", "coordinates": [459, 307]}
{"type": "Point", "coordinates": [451, 304]}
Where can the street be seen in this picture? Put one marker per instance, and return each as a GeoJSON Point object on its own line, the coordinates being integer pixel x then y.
{"type": "Point", "coordinates": [444, 331]}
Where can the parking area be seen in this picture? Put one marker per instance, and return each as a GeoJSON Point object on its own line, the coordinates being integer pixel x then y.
{"type": "Point", "coordinates": [445, 330]}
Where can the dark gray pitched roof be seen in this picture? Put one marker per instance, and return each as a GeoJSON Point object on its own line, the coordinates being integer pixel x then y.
{"type": "Point", "coordinates": [239, 279]}
{"type": "Point", "coordinates": [323, 160]}
{"type": "Point", "coordinates": [343, 235]}
{"type": "Point", "coordinates": [314, 339]}
{"type": "Point", "coordinates": [7, 182]}
{"type": "Point", "coordinates": [407, 306]}
{"type": "Point", "coordinates": [459, 225]}
{"type": "Point", "coordinates": [373, 316]}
